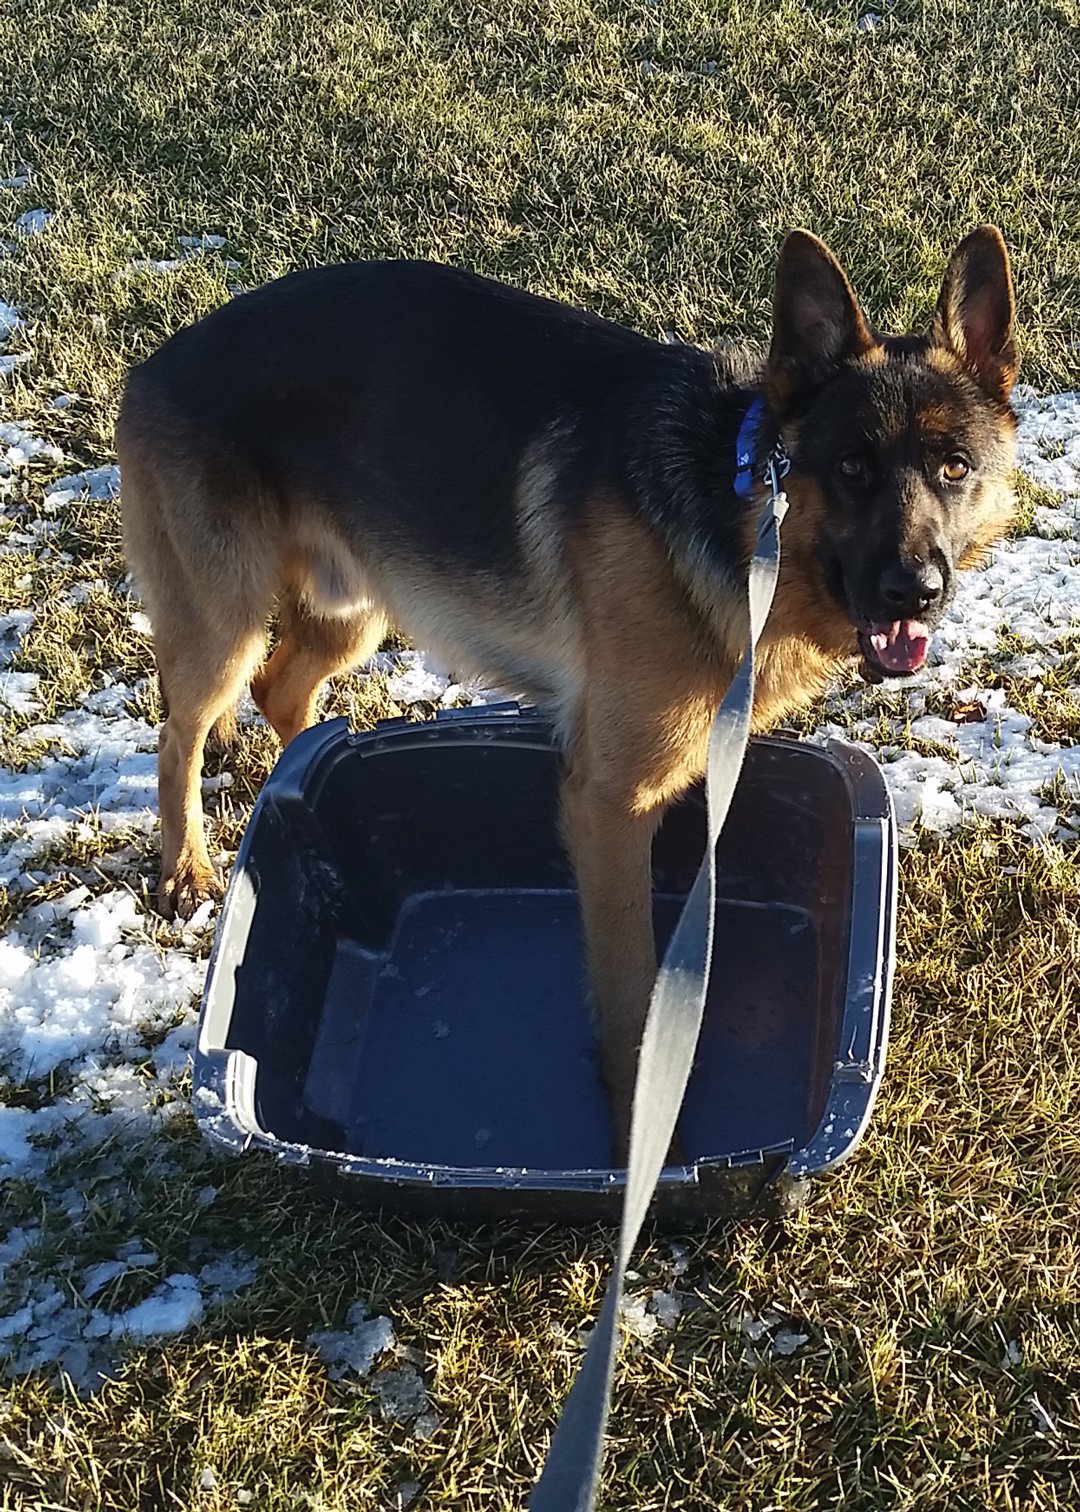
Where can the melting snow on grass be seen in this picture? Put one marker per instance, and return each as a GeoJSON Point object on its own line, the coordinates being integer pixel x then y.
{"type": "Point", "coordinates": [97, 1015]}
{"type": "Point", "coordinates": [190, 247]}
{"type": "Point", "coordinates": [399, 1389]}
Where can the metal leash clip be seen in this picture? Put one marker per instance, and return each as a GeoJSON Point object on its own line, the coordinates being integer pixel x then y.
{"type": "Point", "coordinates": [778, 466]}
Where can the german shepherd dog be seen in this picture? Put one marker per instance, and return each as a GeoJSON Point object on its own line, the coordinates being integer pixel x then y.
{"type": "Point", "coordinates": [546, 499]}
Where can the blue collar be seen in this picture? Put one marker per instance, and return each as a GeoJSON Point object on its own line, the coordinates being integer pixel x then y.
{"type": "Point", "coordinates": [744, 448]}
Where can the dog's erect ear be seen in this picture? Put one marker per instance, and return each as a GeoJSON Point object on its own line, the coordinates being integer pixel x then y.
{"type": "Point", "coordinates": [817, 323]}
{"type": "Point", "coordinates": [974, 314]}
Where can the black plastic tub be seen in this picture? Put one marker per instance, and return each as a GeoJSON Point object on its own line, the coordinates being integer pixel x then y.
{"type": "Point", "coordinates": [397, 993]}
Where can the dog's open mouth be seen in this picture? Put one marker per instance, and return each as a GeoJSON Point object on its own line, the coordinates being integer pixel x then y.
{"type": "Point", "coordinates": [895, 649]}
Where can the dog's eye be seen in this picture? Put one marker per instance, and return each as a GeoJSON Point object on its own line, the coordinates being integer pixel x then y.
{"type": "Point", "coordinates": [851, 468]}
{"type": "Point", "coordinates": [955, 470]}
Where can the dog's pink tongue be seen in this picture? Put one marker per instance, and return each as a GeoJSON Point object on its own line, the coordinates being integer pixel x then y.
{"type": "Point", "coordinates": [901, 646]}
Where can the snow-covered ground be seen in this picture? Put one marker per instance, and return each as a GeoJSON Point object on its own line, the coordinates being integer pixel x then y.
{"type": "Point", "coordinates": [98, 1015]}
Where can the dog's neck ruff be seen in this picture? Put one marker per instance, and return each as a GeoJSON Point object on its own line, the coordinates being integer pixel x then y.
{"type": "Point", "coordinates": [776, 465]}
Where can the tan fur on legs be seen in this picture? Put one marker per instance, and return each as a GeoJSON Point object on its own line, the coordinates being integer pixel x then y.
{"type": "Point", "coordinates": [209, 635]}
{"type": "Point", "coordinates": [655, 676]}
{"type": "Point", "coordinates": [610, 849]}
{"type": "Point", "coordinates": [201, 685]}
{"type": "Point", "coordinates": [312, 648]}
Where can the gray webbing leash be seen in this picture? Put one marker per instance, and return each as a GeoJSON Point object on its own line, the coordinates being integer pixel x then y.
{"type": "Point", "coordinates": [569, 1479]}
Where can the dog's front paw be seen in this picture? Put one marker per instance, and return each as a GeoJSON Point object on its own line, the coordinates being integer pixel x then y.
{"type": "Point", "coordinates": [189, 884]}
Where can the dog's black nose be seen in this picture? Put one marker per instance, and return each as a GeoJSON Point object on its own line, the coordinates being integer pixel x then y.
{"type": "Point", "coordinates": [909, 590]}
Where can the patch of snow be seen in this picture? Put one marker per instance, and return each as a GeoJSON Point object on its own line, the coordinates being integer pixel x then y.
{"type": "Point", "coordinates": [786, 1341]}
{"type": "Point", "coordinates": [172, 1308]}
{"type": "Point", "coordinates": [80, 987]}
{"type": "Point", "coordinates": [355, 1349]}
{"type": "Point", "coordinates": [400, 1393]}
{"type": "Point", "coordinates": [17, 1242]}
{"type": "Point", "coordinates": [79, 593]}
{"type": "Point", "coordinates": [191, 247]}
{"type": "Point", "coordinates": [20, 447]}
{"type": "Point", "coordinates": [150, 265]}
{"type": "Point", "coordinates": [666, 1307]}
{"type": "Point", "coordinates": [10, 320]}
{"type": "Point", "coordinates": [97, 1277]}
{"type": "Point", "coordinates": [172, 1058]}
{"type": "Point", "coordinates": [94, 483]}
{"type": "Point", "coordinates": [11, 361]}
{"type": "Point", "coordinates": [223, 1278]}
{"type": "Point", "coordinates": [680, 1259]}
{"type": "Point", "coordinates": [16, 1127]}
{"type": "Point", "coordinates": [769, 1337]}
{"type": "Point", "coordinates": [103, 776]}
{"type": "Point", "coordinates": [32, 222]}
{"type": "Point", "coordinates": [47, 1330]}
{"type": "Point", "coordinates": [416, 678]}
{"type": "Point", "coordinates": [637, 1319]}
{"type": "Point", "coordinates": [752, 1327]}
{"type": "Point", "coordinates": [1043, 1421]}
{"type": "Point", "coordinates": [135, 1254]}
{"type": "Point", "coordinates": [13, 628]}
{"type": "Point", "coordinates": [17, 692]}
{"type": "Point", "coordinates": [105, 987]}
{"type": "Point", "coordinates": [202, 243]}
{"type": "Point", "coordinates": [418, 683]}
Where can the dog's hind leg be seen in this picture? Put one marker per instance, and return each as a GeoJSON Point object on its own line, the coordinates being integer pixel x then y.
{"type": "Point", "coordinates": [312, 648]}
{"type": "Point", "coordinates": [204, 668]}
{"type": "Point", "coordinates": [208, 595]}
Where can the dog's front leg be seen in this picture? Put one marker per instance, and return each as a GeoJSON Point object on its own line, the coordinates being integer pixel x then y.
{"type": "Point", "coordinates": [611, 849]}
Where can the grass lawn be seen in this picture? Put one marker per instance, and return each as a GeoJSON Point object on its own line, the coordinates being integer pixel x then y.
{"type": "Point", "coordinates": [644, 160]}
